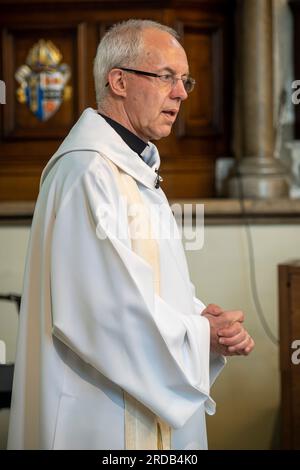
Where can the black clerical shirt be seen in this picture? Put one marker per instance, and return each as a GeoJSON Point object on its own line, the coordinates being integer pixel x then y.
{"type": "Point", "coordinates": [133, 141]}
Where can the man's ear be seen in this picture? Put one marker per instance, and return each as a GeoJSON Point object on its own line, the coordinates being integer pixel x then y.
{"type": "Point", "coordinates": [117, 82]}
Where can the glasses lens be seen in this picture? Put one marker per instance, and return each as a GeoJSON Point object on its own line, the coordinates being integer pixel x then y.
{"type": "Point", "coordinates": [169, 79]}
{"type": "Point", "coordinates": [189, 84]}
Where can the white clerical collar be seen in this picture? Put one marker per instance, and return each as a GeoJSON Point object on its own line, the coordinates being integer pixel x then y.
{"type": "Point", "coordinates": [93, 133]}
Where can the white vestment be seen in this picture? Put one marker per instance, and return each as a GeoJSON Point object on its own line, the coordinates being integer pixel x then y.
{"type": "Point", "coordinates": [91, 324]}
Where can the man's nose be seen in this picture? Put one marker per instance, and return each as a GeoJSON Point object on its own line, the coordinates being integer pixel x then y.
{"type": "Point", "coordinates": [178, 91]}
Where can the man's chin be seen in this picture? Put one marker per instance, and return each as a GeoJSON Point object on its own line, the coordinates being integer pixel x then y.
{"type": "Point", "coordinates": [162, 133]}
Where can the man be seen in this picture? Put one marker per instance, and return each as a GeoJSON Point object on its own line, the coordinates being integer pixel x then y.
{"type": "Point", "coordinates": [114, 351]}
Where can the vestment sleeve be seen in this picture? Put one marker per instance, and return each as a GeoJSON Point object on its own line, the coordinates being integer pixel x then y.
{"type": "Point", "coordinates": [216, 361]}
{"type": "Point", "coordinates": [105, 309]}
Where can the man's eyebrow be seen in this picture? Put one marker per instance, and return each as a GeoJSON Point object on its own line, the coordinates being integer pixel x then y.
{"type": "Point", "coordinates": [170, 70]}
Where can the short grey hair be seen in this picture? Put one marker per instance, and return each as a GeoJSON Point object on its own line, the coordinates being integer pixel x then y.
{"type": "Point", "coordinates": [122, 45]}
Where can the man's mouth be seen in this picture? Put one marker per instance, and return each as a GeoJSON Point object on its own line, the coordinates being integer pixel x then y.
{"type": "Point", "coordinates": [170, 112]}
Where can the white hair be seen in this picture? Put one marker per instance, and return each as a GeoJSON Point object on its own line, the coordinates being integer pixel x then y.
{"type": "Point", "coordinates": [122, 45]}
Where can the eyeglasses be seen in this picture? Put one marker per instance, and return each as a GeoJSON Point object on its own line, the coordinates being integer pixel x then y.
{"type": "Point", "coordinates": [167, 78]}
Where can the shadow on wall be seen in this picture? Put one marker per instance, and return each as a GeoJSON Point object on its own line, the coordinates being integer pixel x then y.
{"type": "Point", "coordinates": [4, 421]}
{"type": "Point", "coordinates": [238, 438]}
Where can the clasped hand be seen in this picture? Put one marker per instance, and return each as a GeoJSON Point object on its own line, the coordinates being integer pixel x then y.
{"type": "Point", "coordinates": [227, 334]}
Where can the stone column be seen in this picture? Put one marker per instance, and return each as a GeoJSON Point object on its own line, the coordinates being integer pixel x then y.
{"type": "Point", "coordinates": [257, 173]}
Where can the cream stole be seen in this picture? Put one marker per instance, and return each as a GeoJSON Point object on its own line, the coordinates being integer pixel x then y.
{"type": "Point", "coordinates": [143, 429]}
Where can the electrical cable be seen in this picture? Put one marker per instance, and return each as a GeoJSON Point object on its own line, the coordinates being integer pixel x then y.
{"type": "Point", "coordinates": [253, 280]}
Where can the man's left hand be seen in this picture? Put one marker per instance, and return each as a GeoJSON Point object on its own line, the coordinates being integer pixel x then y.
{"type": "Point", "coordinates": [233, 337]}
{"type": "Point", "coordinates": [237, 339]}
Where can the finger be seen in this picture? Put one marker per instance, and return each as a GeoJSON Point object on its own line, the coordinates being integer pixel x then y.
{"type": "Point", "coordinates": [232, 316]}
{"type": "Point", "coordinates": [231, 331]}
{"type": "Point", "coordinates": [234, 340]}
{"type": "Point", "coordinates": [249, 348]}
{"type": "Point", "coordinates": [246, 351]}
{"type": "Point", "coordinates": [243, 345]}
{"type": "Point", "coordinates": [213, 309]}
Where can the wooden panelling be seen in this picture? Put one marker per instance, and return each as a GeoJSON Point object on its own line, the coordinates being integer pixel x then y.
{"type": "Point", "coordinates": [289, 302]}
{"type": "Point", "coordinates": [202, 115]}
{"type": "Point", "coordinates": [202, 132]}
{"type": "Point", "coordinates": [186, 176]}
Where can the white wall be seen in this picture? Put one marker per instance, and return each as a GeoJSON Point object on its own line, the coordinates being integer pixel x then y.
{"type": "Point", "coordinates": [13, 243]}
{"type": "Point", "coordinates": [247, 392]}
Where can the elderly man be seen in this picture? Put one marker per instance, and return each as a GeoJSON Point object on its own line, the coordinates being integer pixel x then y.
{"type": "Point", "coordinates": [114, 350]}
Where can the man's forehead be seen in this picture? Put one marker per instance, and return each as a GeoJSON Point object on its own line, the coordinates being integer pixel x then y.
{"type": "Point", "coordinates": [156, 38]}
{"type": "Point", "coordinates": [163, 50]}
